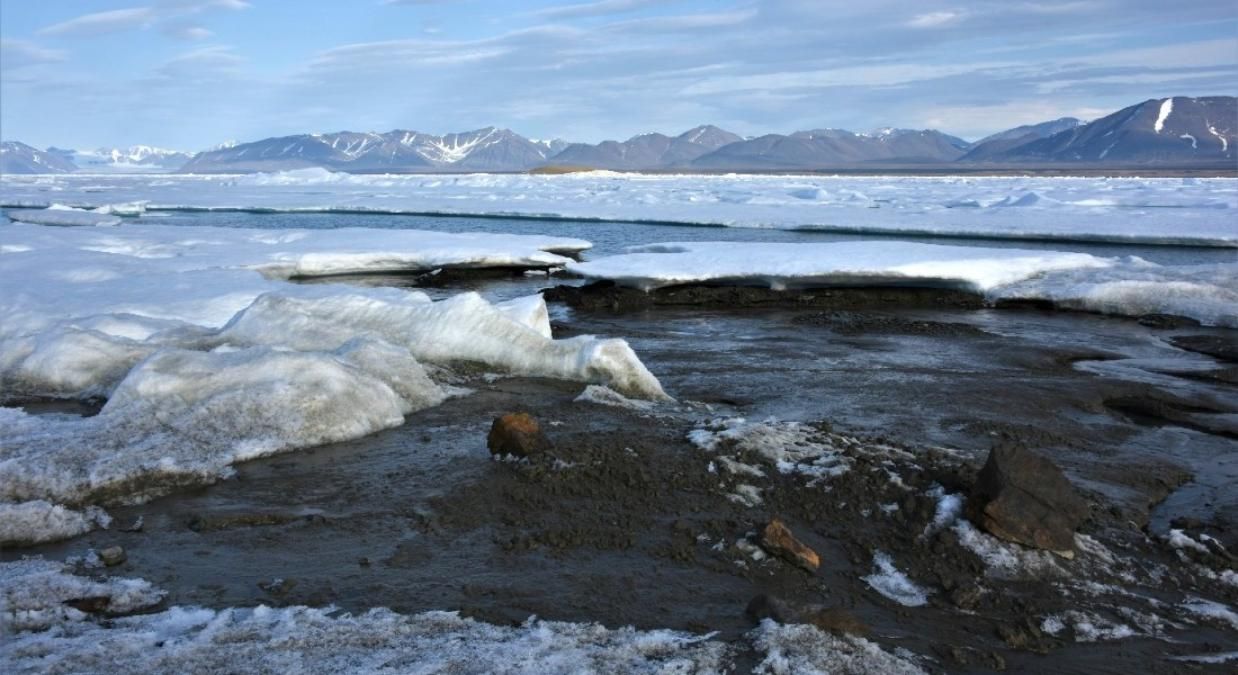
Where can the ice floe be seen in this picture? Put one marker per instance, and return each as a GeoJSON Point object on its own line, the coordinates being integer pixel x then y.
{"type": "Point", "coordinates": [64, 216]}
{"type": "Point", "coordinates": [1147, 210]}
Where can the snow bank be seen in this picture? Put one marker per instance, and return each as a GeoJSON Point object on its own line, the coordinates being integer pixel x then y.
{"type": "Point", "coordinates": [826, 264]}
{"type": "Point", "coordinates": [1128, 286]}
{"type": "Point", "coordinates": [1148, 210]}
{"type": "Point", "coordinates": [204, 367]}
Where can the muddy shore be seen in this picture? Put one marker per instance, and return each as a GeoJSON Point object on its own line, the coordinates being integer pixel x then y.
{"type": "Point", "coordinates": [627, 522]}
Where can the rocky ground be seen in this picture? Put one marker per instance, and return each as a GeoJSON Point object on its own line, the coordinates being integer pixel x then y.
{"type": "Point", "coordinates": [866, 507]}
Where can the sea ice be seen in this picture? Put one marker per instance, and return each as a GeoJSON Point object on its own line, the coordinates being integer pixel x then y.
{"type": "Point", "coordinates": [1131, 210]}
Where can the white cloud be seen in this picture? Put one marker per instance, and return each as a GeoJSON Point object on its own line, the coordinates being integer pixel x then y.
{"type": "Point", "coordinates": [935, 19]}
{"type": "Point", "coordinates": [131, 18]}
{"type": "Point", "coordinates": [598, 8]}
{"type": "Point", "coordinates": [16, 54]}
{"type": "Point", "coordinates": [99, 23]}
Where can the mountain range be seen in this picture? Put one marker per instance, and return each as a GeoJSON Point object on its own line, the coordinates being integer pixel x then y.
{"type": "Point", "coordinates": [1176, 132]}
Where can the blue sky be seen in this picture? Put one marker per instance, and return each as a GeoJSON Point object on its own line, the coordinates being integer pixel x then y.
{"type": "Point", "coordinates": [188, 74]}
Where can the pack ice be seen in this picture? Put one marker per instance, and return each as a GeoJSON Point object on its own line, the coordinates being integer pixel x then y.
{"type": "Point", "coordinates": [207, 357]}
{"type": "Point", "coordinates": [1190, 211]}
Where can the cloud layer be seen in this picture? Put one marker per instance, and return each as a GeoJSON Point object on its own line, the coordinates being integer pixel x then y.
{"type": "Point", "coordinates": [596, 69]}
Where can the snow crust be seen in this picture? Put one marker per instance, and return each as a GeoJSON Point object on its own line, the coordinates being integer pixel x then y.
{"type": "Point", "coordinates": [206, 362]}
{"type": "Point", "coordinates": [1150, 210]}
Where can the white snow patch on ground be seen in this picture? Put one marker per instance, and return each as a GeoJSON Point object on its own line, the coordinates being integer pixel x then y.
{"type": "Point", "coordinates": [887, 580]}
{"type": "Point", "coordinates": [802, 649]}
{"type": "Point", "coordinates": [1212, 610]}
{"type": "Point", "coordinates": [1157, 210]}
{"type": "Point", "coordinates": [1087, 626]}
{"type": "Point", "coordinates": [790, 447]}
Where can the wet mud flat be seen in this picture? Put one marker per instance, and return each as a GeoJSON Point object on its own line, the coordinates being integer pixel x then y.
{"type": "Point", "coordinates": [651, 515]}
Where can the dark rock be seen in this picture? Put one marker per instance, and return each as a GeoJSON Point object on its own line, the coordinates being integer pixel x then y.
{"type": "Point", "coordinates": [516, 434]}
{"type": "Point", "coordinates": [777, 540]}
{"type": "Point", "coordinates": [830, 619]}
{"type": "Point", "coordinates": [113, 556]}
{"type": "Point", "coordinates": [1022, 497]}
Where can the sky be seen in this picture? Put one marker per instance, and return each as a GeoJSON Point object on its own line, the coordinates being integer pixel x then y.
{"type": "Point", "coordinates": [189, 74]}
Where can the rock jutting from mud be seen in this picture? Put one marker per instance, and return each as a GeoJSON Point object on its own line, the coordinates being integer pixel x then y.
{"type": "Point", "coordinates": [516, 434]}
{"type": "Point", "coordinates": [1022, 497]}
{"type": "Point", "coordinates": [777, 540]}
{"type": "Point", "coordinates": [831, 619]}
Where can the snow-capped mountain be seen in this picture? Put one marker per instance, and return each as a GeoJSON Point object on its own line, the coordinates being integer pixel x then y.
{"type": "Point", "coordinates": [17, 157]}
{"type": "Point", "coordinates": [828, 148]}
{"type": "Point", "coordinates": [647, 151]}
{"type": "Point", "coordinates": [488, 149]}
{"type": "Point", "coordinates": [988, 147]}
{"type": "Point", "coordinates": [1171, 131]}
{"type": "Point", "coordinates": [134, 159]}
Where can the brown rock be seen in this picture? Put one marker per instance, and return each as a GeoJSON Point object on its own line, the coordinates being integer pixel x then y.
{"type": "Point", "coordinates": [1022, 497]}
{"type": "Point", "coordinates": [516, 434]}
{"type": "Point", "coordinates": [112, 556]}
{"type": "Point", "coordinates": [777, 540]}
{"type": "Point", "coordinates": [830, 619]}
